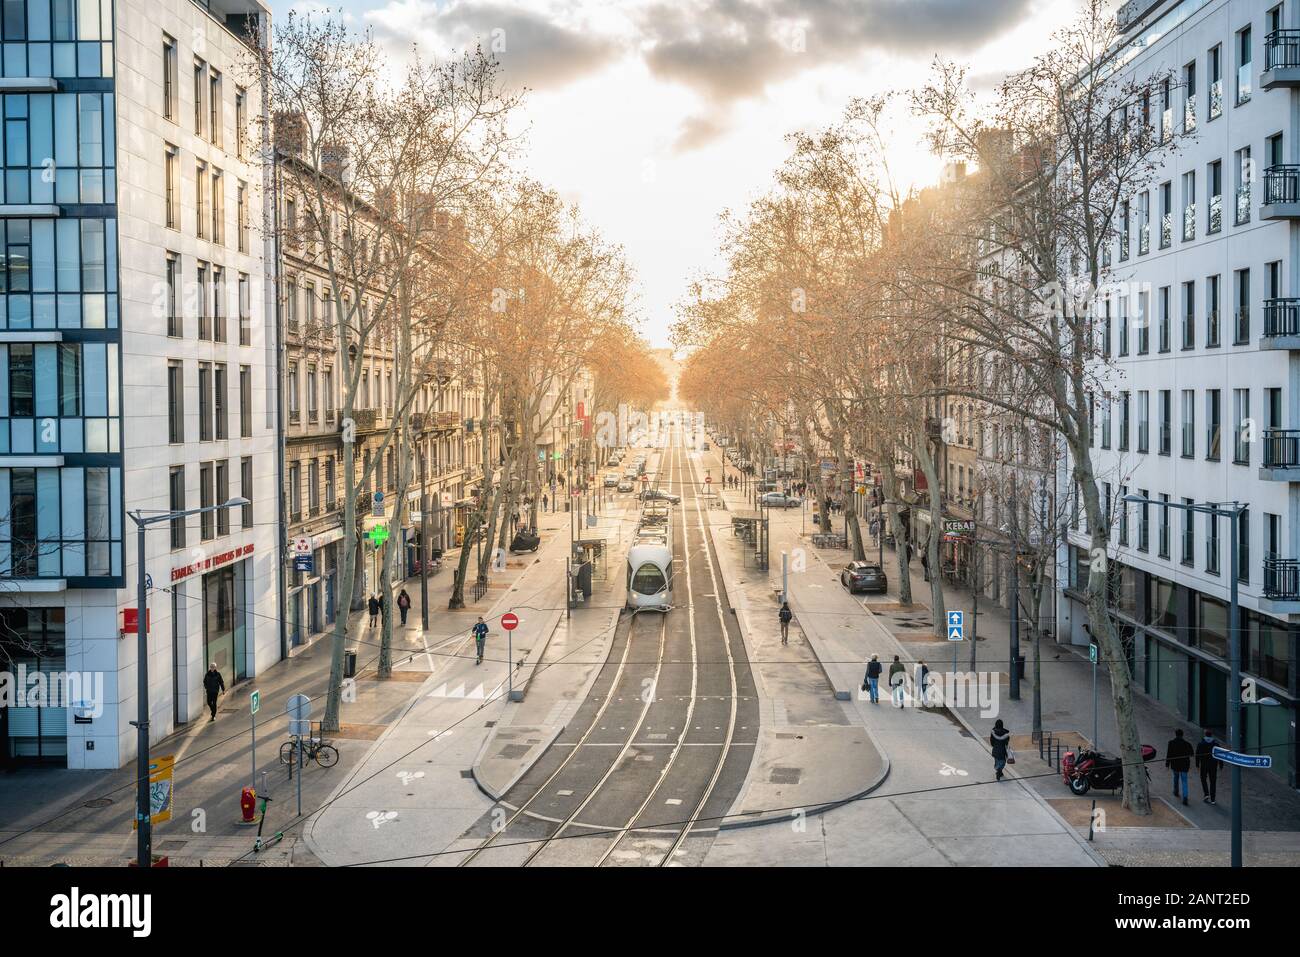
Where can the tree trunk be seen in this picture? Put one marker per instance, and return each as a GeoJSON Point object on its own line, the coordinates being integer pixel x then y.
{"type": "Point", "coordinates": [890, 484]}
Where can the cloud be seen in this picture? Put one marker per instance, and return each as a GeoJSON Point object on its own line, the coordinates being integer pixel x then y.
{"type": "Point", "coordinates": [537, 47]}
{"type": "Point", "coordinates": [698, 131]}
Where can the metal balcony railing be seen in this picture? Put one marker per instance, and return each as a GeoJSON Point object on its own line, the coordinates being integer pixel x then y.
{"type": "Point", "coordinates": [1282, 578]}
{"type": "Point", "coordinates": [1281, 448]}
{"type": "Point", "coordinates": [1282, 317]}
{"type": "Point", "coordinates": [1282, 49]}
{"type": "Point", "coordinates": [1282, 184]}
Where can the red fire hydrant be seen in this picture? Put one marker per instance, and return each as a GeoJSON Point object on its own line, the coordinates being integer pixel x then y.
{"type": "Point", "coordinates": [248, 805]}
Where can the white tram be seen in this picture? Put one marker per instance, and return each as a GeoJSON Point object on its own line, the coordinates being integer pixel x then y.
{"type": "Point", "coordinates": [650, 560]}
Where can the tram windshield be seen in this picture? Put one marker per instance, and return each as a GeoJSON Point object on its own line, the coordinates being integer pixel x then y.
{"type": "Point", "coordinates": [648, 580]}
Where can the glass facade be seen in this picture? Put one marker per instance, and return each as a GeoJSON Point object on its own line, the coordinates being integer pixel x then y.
{"type": "Point", "coordinates": [59, 273]}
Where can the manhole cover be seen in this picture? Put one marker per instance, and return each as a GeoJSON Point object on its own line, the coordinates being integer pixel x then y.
{"type": "Point", "coordinates": [98, 802]}
{"type": "Point", "coordinates": [467, 774]}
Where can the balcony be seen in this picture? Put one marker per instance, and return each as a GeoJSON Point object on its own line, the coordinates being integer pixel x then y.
{"type": "Point", "coordinates": [1281, 585]}
{"type": "Point", "coordinates": [1281, 192]}
{"type": "Point", "coordinates": [1281, 455]}
{"type": "Point", "coordinates": [1281, 324]}
{"type": "Point", "coordinates": [1281, 60]}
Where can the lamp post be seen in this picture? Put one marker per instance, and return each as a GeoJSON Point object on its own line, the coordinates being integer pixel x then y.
{"type": "Point", "coordinates": [1236, 737]}
{"type": "Point", "coordinates": [144, 829]}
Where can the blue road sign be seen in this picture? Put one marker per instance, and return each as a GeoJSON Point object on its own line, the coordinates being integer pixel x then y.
{"type": "Point", "coordinates": [956, 625]}
{"type": "Point", "coordinates": [302, 563]}
{"type": "Point", "coordinates": [1242, 760]}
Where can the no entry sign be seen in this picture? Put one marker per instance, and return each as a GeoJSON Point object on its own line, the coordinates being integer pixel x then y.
{"type": "Point", "coordinates": [510, 621]}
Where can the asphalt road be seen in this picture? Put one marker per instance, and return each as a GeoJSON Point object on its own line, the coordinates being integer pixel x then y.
{"type": "Point", "coordinates": [660, 748]}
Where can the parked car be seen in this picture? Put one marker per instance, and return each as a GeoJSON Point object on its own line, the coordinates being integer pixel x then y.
{"type": "Point", "coordinates": [611, 479]}
{"type": "Point", "coordinates": [662, 496]}
{"type": "Point", "coordinates": [864, 577]}
{"type": "Point", "coordinates": [625, 485]}
{"type": "Point", "coordinates": [780, 500]}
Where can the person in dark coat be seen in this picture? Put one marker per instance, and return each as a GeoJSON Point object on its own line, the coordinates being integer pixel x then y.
{"type": "Point", "coordinates": [1000, 740]}
{"type": "Point", "coordinates": [1178, 759]}
{"type": "Point", "coordinates": [871, 683]}
{"type": "Point", "coordinates": [785, 614]}
{"type": "Point", "coordinates": [214, 685]}
{"type": "Point", "coordinates": [1208, 765]}
{"type": "Point", "coordinates": [404, 605]}
{"type": "Point", "coordinates": [373, 606]}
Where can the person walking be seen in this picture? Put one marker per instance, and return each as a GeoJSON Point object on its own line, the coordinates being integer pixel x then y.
{"type": "Point", "coordinates": [785, 614]}
{"type": "Point", "coordinates": [922, 677]}
{"type": "Point", "coordinates": [480, 637]}
{"type": "Point", "coordinates": [1178, 759]}
{"type": "Point", "coordinates": [546, 501]}
{"type": "Point", "coordinates": [897, 677]}
{"type": "Point", "coordinates": [871, 684]}
{"type": "Point", "coordinates": [404, 605]}
{"type": "Point", "coordinates": [1000, 739]}
{"type": "Point", "coordinates": [1208, 765]}
{"type": "Point", "coordinates": [925, 563]}
{"type": "Point", "coordinates": [214, 685]}
{"type": "Point", "coordinates": [373, 605]}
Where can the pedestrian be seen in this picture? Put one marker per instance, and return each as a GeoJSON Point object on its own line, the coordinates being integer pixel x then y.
{"type": "Point", "coordinates": [1208, 765]}
{"type": "Point", "coordinates": [383, 607]}
{"type": "Point", "coordinates": [1000, 739]}
{"type": "Point", "coordinates": [872, 682]}
{"type": "Point", "coordinates": [1178, 759]}
{"type": "Point", "coordinates": [925, 563]}
{"type": "Point", "coordinates": [373, 605]}
{"type": "Point", "coordinates": [214, 685]}
{"type": "Point", "coordinates": [785, 614]}
{"type": "Point", "coordinates": [480, 637]}
{"type": "Point", "coordinates": [922, 675]}
{"type": "Point", "coordinates": [546, 501]}
{"type": "Point", "coordinates": [897, 677]}
{"type": "Point", "coordinates": [404, 605]}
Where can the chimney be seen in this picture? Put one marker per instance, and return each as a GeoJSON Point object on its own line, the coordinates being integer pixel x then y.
{"type": "Point", "coordinates": [336, 162]}
{"type": "Point", "coordinates": [290, 132]}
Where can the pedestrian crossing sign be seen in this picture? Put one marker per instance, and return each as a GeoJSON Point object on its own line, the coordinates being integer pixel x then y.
{"type": "Point", "coordinates": [956, 625]}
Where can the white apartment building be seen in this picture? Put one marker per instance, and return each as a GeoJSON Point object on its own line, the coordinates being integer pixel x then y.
{"type": "Point", "coordinates": [137, 368]}
{"type": "Point", "coordinates": [1203, 344]}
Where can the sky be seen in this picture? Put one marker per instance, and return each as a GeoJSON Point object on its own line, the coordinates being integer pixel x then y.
{"type": "Point", "coordinates": [656, 115]}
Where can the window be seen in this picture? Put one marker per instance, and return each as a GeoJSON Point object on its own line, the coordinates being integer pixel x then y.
{"type": "Point", "coordinates": [201, 296]}
{"type": "Point", "coordinates": [245, 402]}
{"type": "Point", "coordinates": [1163, 539]}
{"type": "Point", "coordinates": [241, 193]}
{"type": "Point", "coordinates": [201, 199]}
{"type": "Point", "coordinates": [246, 490]}
{"type": "Point", "coordinates": [1189, 534]}
{"type": "Point", "coordinates": [1144, 222]}
{"type": "Point", "coordinates": [327, 387]}
{"type": "Point", "coordinates": [223, 495]}
{"type": "Point", "coordinates": [241, 121]}
{"type": "Point", "coordinates": [200, 83]}
{"type": "Point", "coordinates": [1144, 522]}
{"type": "Point", "coordinates": [1214, 189]}
{"type": "Point", "coordinates": [1241, 295]}
{"type": "Point", "coordinates": [1144, 423]}
{"type": "Point", "coordinates": [205, 402]}
{"type": "Point", "coordinates": [1164, 318]}
{"type": "Point", "coordinates": [1244, 173]}
{"type": "Point", "coordinates": [295, 492]}
{"type": "Point", "coordinates": [1189, 97]}
{"type": "Point", "coordinates": [1215, 69]}
{"type": "Point", "coordinates": [313, 487]}
{"type": "Point", "coordinates": [245, 311]}
{"type": "Point", "coordinates": [1123, 325]}
{"type": "Point", "coordinates": [1189, 206]}
{"type": "Point", "coordinates": [291, 304]}
{"type": "Point", "coordinates": [1243, 66]}
{"type": "Point", "coordinates": [1144, 323]}
{"type": "Point", "coordinates": [176, 502]}
{"type": "Point", "coordinates": [218, 207]}
{"type": "Point", "coordinates": [1165, 422]}
{"type": "Point", "coordinates": [169, 78]}
{"type": "Point", "coordinates": [1189, 315]}
{"type": "Point", "coordinates": [218, 304]}
{"type": "Point", "coordinates": [175, 402]}
{"type": "Point", "coordinates": [171, 180]}
{"type": "Point", "coordinates": [1241, 427]}
{"type": "Point", "coordinates": [330, 503]}
{"type": "Point", "coordinates": [1106, 328]}
{"type": "Point", "coordinates": [175, 315]}
{"type": "Point", "coordinates": [219, 399]}
{"type": "Point", "coordinates": [1105, 423]}
{"type": "Point", "coordinates": [1189, 423]}
{"type": "Point", "coordinates": [1212, 334]}
{"type": "Point", "coordinates": [312, 410]}
{"type": "Point", "coordinates": [291, 384]}
{"type": "Point", "coordinates": [1212, 414]}
{"type": "Point", "coordinates": [1124, 216]}
{"type": "Point", "coordinates": [206, 524]}
{"type": "Point", "coordinates": [1124, 409]}
{"type": "Point", "coordinates": [215, 119]}
{"type": "Point", "coordinates": [1243, 547]}
{"type": "Point", "coordinates": [1166, 214]}
{"type": "Point", "coordinates": [1212, 543]}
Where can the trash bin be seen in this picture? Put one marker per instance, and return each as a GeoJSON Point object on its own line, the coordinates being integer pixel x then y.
{"type": "Point", "coordinates": [1020, 667]}
{"type": "Point", "coordinates": [350, 662]}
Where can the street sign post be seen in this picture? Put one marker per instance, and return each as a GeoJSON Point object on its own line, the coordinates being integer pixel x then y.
{"type": "Point", "coordinates": [378, 509]}
{"type": "Point", "coordinates": [510, 621]}
{"type": "Point", "coordinates": [1093, 656]}
{"type": "Point", "coordinates": [254, 703]}
{"type": "Point", "coordinates": [1242, 760]}
{"type": "Point", "coordinates": [956, 632]}
{"type": "Point", "coordinates": [299, 710]}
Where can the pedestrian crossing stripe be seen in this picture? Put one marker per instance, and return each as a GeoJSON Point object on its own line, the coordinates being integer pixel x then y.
{"type": "Point", "coordinates": [457, 692]}
{"type": "Point", "coordinates": [954, 634]}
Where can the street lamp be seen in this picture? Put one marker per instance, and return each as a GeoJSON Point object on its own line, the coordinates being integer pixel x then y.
{"type": "Point", "coordinates": [1236, 737]}
{"type": "Point", "coordinates": [144, 828]}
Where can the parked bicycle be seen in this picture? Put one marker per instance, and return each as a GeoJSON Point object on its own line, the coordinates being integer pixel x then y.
{"type": "Point", "coordinates": [314, 748]}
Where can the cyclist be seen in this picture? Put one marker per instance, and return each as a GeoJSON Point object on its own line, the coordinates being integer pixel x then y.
{"type": "Point", "coordinates": [480, 636]}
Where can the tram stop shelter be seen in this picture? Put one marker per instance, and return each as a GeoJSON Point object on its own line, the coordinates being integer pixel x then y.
{"type": "Point", "coordinates": [752, 529]}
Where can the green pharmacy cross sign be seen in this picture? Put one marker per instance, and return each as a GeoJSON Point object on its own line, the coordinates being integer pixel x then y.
{"type": "Point", "coordinates": [378, 535]}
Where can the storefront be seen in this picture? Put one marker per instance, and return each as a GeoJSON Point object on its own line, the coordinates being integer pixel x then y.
{"type": "Point", "coordinates": [32, 643]}
{"type": "Point", "coordinates": [224, 621]}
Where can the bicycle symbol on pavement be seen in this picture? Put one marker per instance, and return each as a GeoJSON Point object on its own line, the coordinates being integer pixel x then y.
{"type": "Point", "coordinates": [948, 770]}
{"type": "Point", "coordinates": [380, 817]}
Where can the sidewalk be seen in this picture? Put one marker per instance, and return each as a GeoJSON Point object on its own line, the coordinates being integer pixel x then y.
{"type": "Point", "coordinates": [89, 813]}
{"type": "Point", "coordinates": [1269, 806]}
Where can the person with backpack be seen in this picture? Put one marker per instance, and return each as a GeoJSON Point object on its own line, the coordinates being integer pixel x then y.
{"type": "Point", "coordinates": [897, 677]}
{"type": "Point", "coordinates": [871, 683]}
{"type": "Point", "coordinates": [785, 614]}
{"type": "Point", "coordinates": [1208, 765]}
{"type": "Point", "coordinates": [404, 605]}
{"type": "Point", "coordinates": [480, 638]}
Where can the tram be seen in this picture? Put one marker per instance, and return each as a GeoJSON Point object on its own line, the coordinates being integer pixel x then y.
{"type": "Point", "coordinates": [650, 560]}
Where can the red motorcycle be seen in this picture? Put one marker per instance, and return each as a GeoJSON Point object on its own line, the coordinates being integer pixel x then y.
{"type": "Point", "coordinates": [1090, 769]}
